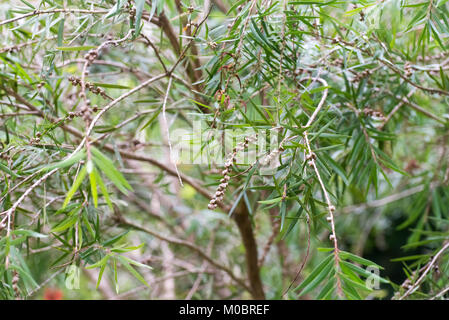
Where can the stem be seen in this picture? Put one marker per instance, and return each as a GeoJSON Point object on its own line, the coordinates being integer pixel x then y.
{"type": "Point", "coordinates": [39, 12]}
{"type": "Point", "coordinates": [243, 221]}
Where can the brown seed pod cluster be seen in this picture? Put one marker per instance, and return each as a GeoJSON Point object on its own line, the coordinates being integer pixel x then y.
{"type": "Point", "coordinates": [408, 70]}
{"type": "Point", "coordinates": [132, 13]}
{"type": "Point", "coordinates": [85, 112]}
{"type": "Point", "coordinates": [4, 155]}
{"type": "Point", "coordinates": [362, 75]}
{"type": "Point", "coordinates": [338, 62]}
{"type": "Point", "coordinates": [270, 156]}
{"type": "Point", "coordinates": [213, 45]}
{"type": "Point", "coordinates": [11, 49]}
{"type": "Point", "coordinates": [362, 16]}
{"type": "Point", "coordinates": [15, 286]}
{"type": "Point", "coordinates": [374, 113]}
{"type": "Point", "coordinates": [71, 115]}
{"type": "Point", "coordinates": [94, 89]}
{"type": "Point", "coordinates": [336, 40]}
{"type": "Point", "coordinates": [90, 56]}
{"type": "Point", "coordinates": [310, 158]}
{"type": "Point", "coordinates": [191, 25]}
{"type": "Point", "coordinates": [219, 194]}
{"type": "Point", "coordinates": [34, 141]}
{"type": "Point", "coordinates": [131, 10]}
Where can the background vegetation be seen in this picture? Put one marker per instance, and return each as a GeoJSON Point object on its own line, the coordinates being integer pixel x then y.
{"type": "Point", "coordinates": [356, 92]}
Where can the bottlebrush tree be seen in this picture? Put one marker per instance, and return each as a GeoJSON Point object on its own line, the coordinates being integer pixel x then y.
{"type": "Point", "coordinates": [220, 149]}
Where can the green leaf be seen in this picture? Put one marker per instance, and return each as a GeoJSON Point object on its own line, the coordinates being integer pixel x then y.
{"type": "Point", "coordinates": [316, 272]}
{"type": "Point", "coordinates": [336, 167]}
{"type": "Point", "coordinates": [80, 48]}
{"type": "Point", "coordinates": [136, 263]}
{"type": "Point", "coordinates": [93, 187]}
{"type": "Point", "coordinates": [115, 9]}
{"type": "Point", "coordinates": [107, 167]}
{"type": "Point", "coordinates": [28, 4]}
{"type": "Point", "coordinates": [61, 32]}
{"type": "Point", "coordinates": [347, 255]}
{"type": "Point", "coordinates": [271, 201]}
{"type": "Point", "coordinates": [29, 233]}
{"type": "Point", "coordinates": [350, 282]}
{"type": "Point", "coordinates": [133, 271]}
{"type": "Point", "coordinates": [7, 170]}
{"type": "Point", "coordinates": [65, 224]}
{"type": "Point", "coordinates": [127, 249]}
{"type": "Point", "coordinates": [76, 184]}
{"type": "Point", "coordinates": [67, 162]}
{"type": "Point", "coordinates": [116, 277]}
{"type": "Point", "coordinates": [110, 85]}
{"type": "Point", "coordinates": [87, 224]}
{"type": "Point", "coordinates": [327, 290]}
{"type": "Point", "coordinates": [363, 272]}
{"type": "Point", "coordinates": [100, 263]}
{"type": "Point", "coordinates": [100, 274]}
{"type": "Point", "coordinates": [114, 239]}
{"type": "Point", "coordinates": [139, 10]}
{"type": "Point", "coordinates": [153, 117]}
{"type": "Point", "coordinates": [325, 249]}
{"type": "Point", "coordinates": [326, 271]}
{"type": "Point", "coordinates": [103, 188]}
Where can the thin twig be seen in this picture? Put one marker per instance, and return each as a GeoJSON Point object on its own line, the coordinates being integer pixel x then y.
{"type": "Point", "coordinates": [303, 264]}
{"type": "Point", "coordinates": [429, 266]}
{"type": "Point", "coordinates": [40, 12]}
{"type": "Point", "coordinates": [164, 117]}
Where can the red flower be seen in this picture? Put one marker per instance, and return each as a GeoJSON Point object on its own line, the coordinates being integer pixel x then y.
{"type": "Point", "coordinates": [52, 294]}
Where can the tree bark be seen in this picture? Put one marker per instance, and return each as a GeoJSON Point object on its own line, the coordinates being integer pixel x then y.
{"type": "Point", "coordinates": [243, 221]}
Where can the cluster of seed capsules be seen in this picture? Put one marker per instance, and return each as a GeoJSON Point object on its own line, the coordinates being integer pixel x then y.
{"type": "Point", "coordinates": [10, 49]}
{"type": "Point", "coordinates": [92, 88]}
{"type": "Point", "coordinates": [269, 157]}
{"type": "Point", "coordinates": [219, 194]}
{"type": "Point", "coordinates": [362, 75]}
{"type": "Point", "coordinates": [15, 284]}
{"type": "Point", "coordinates": [131, 10]}
{"type": "Point", "coordinates": [90, 56]}
{"type": "Point", "coordinates": [408, 70]}
{"type": "Point", "coordinates": [374, 113]}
